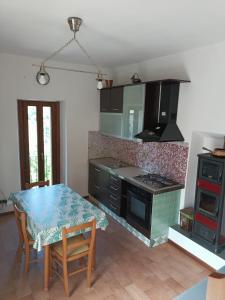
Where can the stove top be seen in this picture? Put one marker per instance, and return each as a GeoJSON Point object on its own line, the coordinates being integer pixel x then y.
{"type": "Point", "coordinates": [156, 181]}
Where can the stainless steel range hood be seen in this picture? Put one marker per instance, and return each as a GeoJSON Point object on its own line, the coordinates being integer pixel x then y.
{"type": "Point", "coordinates": [160, 114]}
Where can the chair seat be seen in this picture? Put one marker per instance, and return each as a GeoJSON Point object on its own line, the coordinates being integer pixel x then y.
{"type": "Point", "coordinates": [58, 248]}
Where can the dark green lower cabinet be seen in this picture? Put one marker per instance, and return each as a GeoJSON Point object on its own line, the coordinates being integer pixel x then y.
{"type": "Point", "coordinates": [106, 188]}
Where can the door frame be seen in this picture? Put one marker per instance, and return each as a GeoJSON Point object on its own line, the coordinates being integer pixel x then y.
{"type": "Point", "coordinates": [23, 137]}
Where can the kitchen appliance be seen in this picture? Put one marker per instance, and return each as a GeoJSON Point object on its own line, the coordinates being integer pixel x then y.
{"type": "Point", "coordinates": [209, 211]}
{"type": "Point", "coordinates": [160, 112]}
{"type": "Point", "coordinates": [156, 182]}
{"type": "Point", "coordinates": [139, 208]}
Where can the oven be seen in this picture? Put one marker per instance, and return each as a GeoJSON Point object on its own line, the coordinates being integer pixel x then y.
{"type": "Point", "coordinates": [139, 209]}
{"type": "Point", "coordinates": [211, 170]}
{"type": "Point", "coordinates": [207, 203]}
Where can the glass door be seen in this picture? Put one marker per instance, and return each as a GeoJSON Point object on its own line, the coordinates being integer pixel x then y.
{"type": "Point", "coordinates": [208, 203]}
{"type": "Point", "coordinates": [133, 110]}
{"type": "Point", "coordinates": [39, 141]}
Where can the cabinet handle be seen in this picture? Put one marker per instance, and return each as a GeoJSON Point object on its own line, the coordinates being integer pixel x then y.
{"type": "Point", "coordinates": [97, 187]}
{"type": "Point", "coordinates": [115, 109]}
{"type": "Point", "coordinates": [97, 170]}
{"type": "Point", "coordinates": [113, 188]}
{"type": "Point", "coordinates": [114, 198]}
{"type": "Point", "coordinates": [115, 179]}
{"type": "Point", "coordinates": [160, 92]}
{"type": "Point", "coordinates": [113, 206]}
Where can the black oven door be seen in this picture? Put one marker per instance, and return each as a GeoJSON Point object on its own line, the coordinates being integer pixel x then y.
{"type": "Point", "coordinates": [208, 203]}
{"type": "Point", "coordinates": [139, 207]}
{"type": "Point", "coordinates": [211, 170]}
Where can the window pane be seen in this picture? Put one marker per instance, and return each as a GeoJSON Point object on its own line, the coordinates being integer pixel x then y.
{"type": "Point", "coordinates": [47, 131]}
{"type": "Point", "coordinates": [33, 150]}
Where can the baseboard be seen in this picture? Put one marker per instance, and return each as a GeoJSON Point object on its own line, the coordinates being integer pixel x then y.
{"type": "Point", "coordinates": [209, 258]}
{"type": "Point", "coordinates": [192, 256]}
{"type": "Point", "coordinates": [4, 213]}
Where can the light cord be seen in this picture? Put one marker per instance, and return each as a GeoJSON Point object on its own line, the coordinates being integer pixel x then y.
{"type": "Point", "coordinates": [57, 51]}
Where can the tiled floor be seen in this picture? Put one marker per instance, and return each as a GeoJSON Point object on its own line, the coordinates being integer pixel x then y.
{"type": "Point", "coordinates": [126, 269]}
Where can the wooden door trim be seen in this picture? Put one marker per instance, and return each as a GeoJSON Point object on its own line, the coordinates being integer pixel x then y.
{"type": "Point", "coordinates": [23, 145]}
{"type": "Point", "coordinates": [40, 142]}
{"type": "Point", "coordinates": [23, 137]}
{"type": "Point", "coordinates": [56, 142]}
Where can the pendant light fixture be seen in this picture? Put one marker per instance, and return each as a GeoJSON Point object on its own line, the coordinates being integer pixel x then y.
{"type": "Point", "coordinates": [43, 77]}
{"type": "Point", "coordinates": [99, 80]}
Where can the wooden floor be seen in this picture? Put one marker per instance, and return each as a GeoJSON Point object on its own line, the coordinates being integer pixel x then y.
{"type": "Point", "coordinates": [126, 269]}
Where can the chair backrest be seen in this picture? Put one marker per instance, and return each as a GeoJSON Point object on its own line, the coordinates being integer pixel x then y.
{"type": "Point", "coordinates": [21, 221]}
{"type": "Point", "coordinates": [35, 184]}
{"type": "Point", "coordinates": [91, 226]}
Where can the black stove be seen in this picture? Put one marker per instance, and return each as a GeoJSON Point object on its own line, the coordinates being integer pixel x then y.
{"type": "Point", "coordinates": [156, 181]}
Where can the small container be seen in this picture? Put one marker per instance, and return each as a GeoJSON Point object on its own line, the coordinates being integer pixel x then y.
{"type": "Point", "coordinates": [186, 218]}
{"type": "Point", "coordinates": [110, 82]}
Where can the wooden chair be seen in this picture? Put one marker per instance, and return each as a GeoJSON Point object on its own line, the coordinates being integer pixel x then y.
{"type": "Point", "coordinates": [35, 184]}
{"type": "Point", "coordinates": [25, 241]}
{"type": "Point", "coordinates": [75, 248]}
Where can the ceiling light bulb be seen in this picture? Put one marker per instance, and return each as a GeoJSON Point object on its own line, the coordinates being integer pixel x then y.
{"type": "Point", "coordinates": [42, 76]}
{"type": "Point", "coordinates": [99, 79]}
{"type": "Point", "coordinates": [99, 84]}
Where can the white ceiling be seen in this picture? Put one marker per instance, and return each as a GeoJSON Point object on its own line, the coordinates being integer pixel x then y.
{"type": "Point", "coordinates": [113, 32]}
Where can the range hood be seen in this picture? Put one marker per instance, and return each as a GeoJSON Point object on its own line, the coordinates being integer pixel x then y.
{"type": "Point", "coordinates": [161, 102]}
{"type": "Point", "coordinates": [161, 133]}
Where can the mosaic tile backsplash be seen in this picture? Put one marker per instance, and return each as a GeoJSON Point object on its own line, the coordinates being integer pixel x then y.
{"type": "Point", "coordinates": [166, 159]}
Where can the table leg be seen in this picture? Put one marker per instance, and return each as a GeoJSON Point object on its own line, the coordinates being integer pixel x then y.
{"type": "Point", "coordinates": [46, 266]}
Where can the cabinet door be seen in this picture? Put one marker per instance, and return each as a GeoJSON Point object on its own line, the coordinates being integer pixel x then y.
{"type": "Point", "coordinates": [94, 181]}
{"type": "Point", "coordinates": [152, 104]}
{"type": "Point", "coordinates": [104, 185]}
{"type": "Point", "coordinates": [98, 183]}
{"type": "Point", "coordinates": [104, 100]}
{"type": "Point", "coordinates": [168, 102]}
{"type": "Point", "coordinates": [111, 124]}
{"type": "Point", "coordinates": [133, 110]}
{"type": "Point", "coordinates": [116, 100]}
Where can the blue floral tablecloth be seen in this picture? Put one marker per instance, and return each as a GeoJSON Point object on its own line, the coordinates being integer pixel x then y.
{"type": "Point", "coordinates": [49, 209]}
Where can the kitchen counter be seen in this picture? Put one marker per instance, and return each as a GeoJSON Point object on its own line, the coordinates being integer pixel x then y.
{"type": "Point", "coordinates": [108, 188]}
{"type": "Point", "coordinates": [128, 173]}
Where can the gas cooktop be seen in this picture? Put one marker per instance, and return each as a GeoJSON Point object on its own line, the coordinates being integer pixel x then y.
{"type": "Point", "coordinates": [156, 182]}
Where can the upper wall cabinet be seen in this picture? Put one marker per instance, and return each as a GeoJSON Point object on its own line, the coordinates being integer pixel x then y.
{"type": "Point", "coordinates": [133, 110]}
{"type": "Point", "coordinates": [111, 100]}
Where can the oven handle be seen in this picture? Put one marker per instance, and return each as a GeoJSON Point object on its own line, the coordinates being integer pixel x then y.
{"type": "Point", "coordinates": [137, 195]}
{"type": "Point", "coordinates": [220, 175]}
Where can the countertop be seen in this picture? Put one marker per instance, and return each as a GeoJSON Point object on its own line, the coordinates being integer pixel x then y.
{"type": "Point", "coordinates": [128, 173]}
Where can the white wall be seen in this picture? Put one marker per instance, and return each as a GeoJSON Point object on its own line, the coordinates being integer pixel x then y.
{"type": "Point", "coordinates": [80, 111]}
{"type": "Point", "coordinates": [201, 102]}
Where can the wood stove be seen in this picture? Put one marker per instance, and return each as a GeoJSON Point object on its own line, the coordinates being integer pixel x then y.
{"type": "Point", "coordinates": [209, 220]}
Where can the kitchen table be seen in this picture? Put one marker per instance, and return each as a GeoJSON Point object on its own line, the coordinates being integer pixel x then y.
{"type": "Point", "coordinates": [51, 208]}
